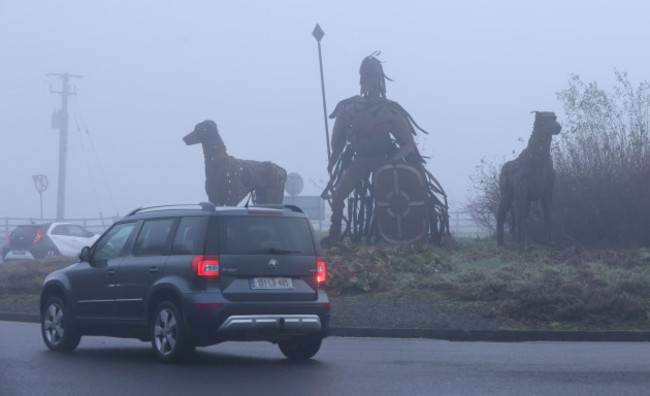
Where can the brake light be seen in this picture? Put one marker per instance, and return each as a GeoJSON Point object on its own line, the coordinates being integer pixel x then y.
{"type": "Point", "coordinates": [321, 270]}
{"type": "Point", "coordinates": [38, 236]}
{"type": "Point", "coordinates": [9, 236]}
{"type": "Point", "coordinates": [206, 267]}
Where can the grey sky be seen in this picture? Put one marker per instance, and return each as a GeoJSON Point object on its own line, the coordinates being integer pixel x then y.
{"type": "Point", "coordinates": [469, 72]}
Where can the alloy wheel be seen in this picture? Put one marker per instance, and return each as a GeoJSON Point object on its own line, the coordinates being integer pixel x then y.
{"type": "Point", "coordinates": [53, 324]}
{"type": "Point", "coordinates": [165, 331]}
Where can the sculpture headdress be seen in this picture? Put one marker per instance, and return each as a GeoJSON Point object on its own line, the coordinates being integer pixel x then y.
{"type": "Point", "coordinates": [372, 70]}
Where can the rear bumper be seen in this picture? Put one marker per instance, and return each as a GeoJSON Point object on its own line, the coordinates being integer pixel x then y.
{"type": "Point", "coordinates": [304, 323]}
{"type": "Point", "coordinates": [264, 320]}
{"type": "Point", "coordinates": [16, 255]}
{"type": "Point", "coordinates": [32, 252]}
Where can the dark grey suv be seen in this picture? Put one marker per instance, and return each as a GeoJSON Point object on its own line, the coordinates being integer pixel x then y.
{"type": "Point", "coordinates": [183, 277]}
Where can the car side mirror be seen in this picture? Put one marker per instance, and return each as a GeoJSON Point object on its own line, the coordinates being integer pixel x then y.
{"type": "Point", "coordinates": [84, 255]}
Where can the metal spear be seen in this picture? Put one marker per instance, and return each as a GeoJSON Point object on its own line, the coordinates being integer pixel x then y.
{"type": "Point", "coordinates": [318, 35]}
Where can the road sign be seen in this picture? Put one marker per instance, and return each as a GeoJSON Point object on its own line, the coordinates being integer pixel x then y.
{"type": "Point", "coordinates": [40, 182]}
{"type": "Point", "coordinates": [294, 184]}
{"type": "Point", "coordinates": [312, 206]}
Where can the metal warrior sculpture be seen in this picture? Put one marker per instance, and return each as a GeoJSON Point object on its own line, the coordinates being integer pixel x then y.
{"type": "Point", "coordinates": [228, 179]}
{"type": "Point", "coordinates": [376, 165]}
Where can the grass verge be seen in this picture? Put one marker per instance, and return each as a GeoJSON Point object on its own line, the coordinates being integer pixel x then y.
{"type": "Point", "coordinates": [539, 288]}
{"type": "Point", "coordinates": [472, 286]}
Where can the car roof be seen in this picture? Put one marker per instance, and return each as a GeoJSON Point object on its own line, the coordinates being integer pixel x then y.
{"type": "Point", "coordinates": [33, 225]}
{"type": "Point", "coordinates": [64, 223]}
{"type": "Point", "coordinates": [208, 209]}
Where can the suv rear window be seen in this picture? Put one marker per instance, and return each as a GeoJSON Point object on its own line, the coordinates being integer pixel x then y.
{"type": "Point", "coordinates": [264, 235]}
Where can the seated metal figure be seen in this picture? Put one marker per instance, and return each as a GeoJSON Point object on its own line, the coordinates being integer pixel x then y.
{"type": "Point", "coordinates": [371, 131]}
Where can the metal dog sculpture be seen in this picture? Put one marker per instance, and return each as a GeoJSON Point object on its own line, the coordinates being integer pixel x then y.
{"type": "Point", "coordinates": [227, 179]}
{"type": "Point", "coordinates": [529, 177]}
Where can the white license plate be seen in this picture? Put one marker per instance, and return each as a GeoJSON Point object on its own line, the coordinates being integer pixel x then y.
{"type": "Point", "coordinates": [271, 283]}
{"type": "Point", "coordinates": [19, 252]}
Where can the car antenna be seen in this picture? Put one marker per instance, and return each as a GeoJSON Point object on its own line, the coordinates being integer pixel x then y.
{"type": "Point", "coordinates": [250, 195]}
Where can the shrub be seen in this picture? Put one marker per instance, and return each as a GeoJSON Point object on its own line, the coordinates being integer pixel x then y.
{"type": "Point", "coordinates": [603, 164]}
{"type": "Point", "coordinates": [26, 277]}
{"type": "Point", "coordinates": [363, 268]}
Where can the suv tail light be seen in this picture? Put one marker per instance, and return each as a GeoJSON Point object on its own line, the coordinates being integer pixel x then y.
{"type": "Point", "coordinates": [38, 236]}
{"type": "Point", "coordinates": [206, 267]}
{"type": "Point", "coordinates": [321, 270]}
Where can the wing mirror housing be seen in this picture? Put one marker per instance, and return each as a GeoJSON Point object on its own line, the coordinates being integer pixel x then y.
{"type": "Point", "coordinates": [84, 255]}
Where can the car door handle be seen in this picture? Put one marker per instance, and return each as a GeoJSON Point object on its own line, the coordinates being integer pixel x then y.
{"type": "Point", "coordinates": [153, 270]}
{"type": "Point", "coordinates": [111, 272]}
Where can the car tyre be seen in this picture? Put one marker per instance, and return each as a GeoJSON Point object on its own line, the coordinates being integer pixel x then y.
{"type": "Point", "coordinates": [301, 348]}
{"type": "Point", "coordinates": [169, 339]}
{"type": "Point", "coordinates": [56, 326]}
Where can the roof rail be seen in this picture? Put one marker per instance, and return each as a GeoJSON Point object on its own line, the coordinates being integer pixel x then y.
{"type": "Point", "coordinates": [293, 208]}
{"type": "Point", "coordinates": [207, 206]}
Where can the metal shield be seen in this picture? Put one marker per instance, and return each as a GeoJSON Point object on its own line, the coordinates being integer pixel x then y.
{"type": "Point", "coordinates": [401, 203]}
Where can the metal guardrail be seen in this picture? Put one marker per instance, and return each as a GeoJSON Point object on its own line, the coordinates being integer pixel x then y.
{"type": "Point", "coordinates": [92, 224]}
{"type": "Point", "coordinates": [460, 223]}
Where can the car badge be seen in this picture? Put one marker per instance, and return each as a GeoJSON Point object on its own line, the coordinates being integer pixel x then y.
{"type": "Point", "coordinates": [273, 264]}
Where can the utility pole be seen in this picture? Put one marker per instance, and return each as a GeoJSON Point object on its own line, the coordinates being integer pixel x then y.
{"type": "Point", "coordinates": [60, 121]}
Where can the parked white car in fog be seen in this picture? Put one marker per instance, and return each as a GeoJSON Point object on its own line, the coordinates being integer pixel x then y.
{"type": "Point", "coordinates": [35, 241]}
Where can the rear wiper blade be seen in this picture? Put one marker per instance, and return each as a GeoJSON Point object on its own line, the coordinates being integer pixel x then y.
{"type": "Point", "coordinates": [274, 250]}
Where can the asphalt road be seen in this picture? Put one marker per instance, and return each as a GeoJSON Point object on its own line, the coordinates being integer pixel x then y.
{"type": "Point", "coordinates": [344, 366]}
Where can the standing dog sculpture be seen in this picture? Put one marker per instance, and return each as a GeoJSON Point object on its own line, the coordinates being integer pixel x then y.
{"type": "Point", "coordinates": [227, 179]}
{"type": "Point", "coordinates": [529, 177]}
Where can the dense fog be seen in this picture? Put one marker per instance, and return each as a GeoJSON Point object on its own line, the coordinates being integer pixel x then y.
{"type": "Point", "coordinates": [469, 72]}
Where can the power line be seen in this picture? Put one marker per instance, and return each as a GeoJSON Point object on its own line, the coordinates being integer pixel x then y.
{"type": "Point", "coordinates": [97, 160]}
{"type": "Point", "coordinates": [88, 167]}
